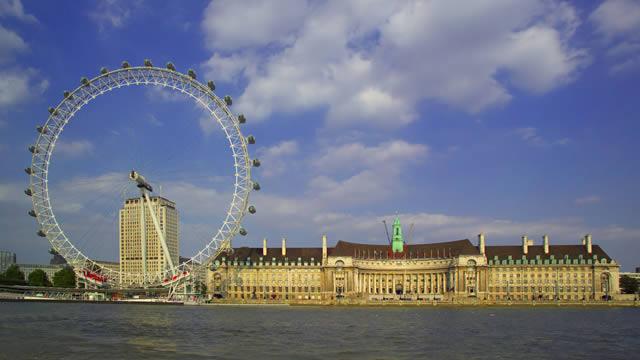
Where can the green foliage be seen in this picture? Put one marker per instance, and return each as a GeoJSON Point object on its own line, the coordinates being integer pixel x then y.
{"type": "Point", "coordinates": [66, 278]}
{"type": "Point", "coordinates": [201, 287]}
{"type": "Point", "coordinates": [12, 276]}
{"type": "Point", "coordinates": [628, 285]}
{"type": "Point", "coordinates": [39, 278]}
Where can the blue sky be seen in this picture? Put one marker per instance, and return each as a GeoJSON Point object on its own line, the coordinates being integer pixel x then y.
{"type": "Point", "coordinates": [504, 117]}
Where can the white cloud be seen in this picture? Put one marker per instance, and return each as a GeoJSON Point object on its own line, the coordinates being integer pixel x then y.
{"type": "Point", "coordinates": [617, 17]}
{"type": "Point", "coordinates": [10, 44]}
{"type": "Point", "coordinates": [112, 13]}
{"type": "Point", "coordinates": [586, 200]}
{"type": "Point", "coordinates": [227, 68]}
{"type": "Point", "coordinates": [165, 94]}
{"type": "Point", "coordinates": [74, 148]}
{"type": "Point", "coordinates": [19, 85]}
{"type": "Point", "coordinates": [275, 158]}
{"type": "Point", "coordinates": [531, 136]}
{"type": "Point", "coordinates": [235, 25]}
{"type": "Point", "coordinates": [618, 22]}
{"type": "Point", "coordinates": [357, 156]}
{"type": "Point", "coordinates": [207, 124]}
{"type": "Point", "coordinates": [12, 192]}
{"type": "Point", "coordinates": [378, 60]}
{"type": "Point", "coordinates": [153, 120]}
{"type": "Point", "coordinates": [15, 9]}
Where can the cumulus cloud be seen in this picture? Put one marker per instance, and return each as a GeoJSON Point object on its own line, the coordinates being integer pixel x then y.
{"type": "Point", "coordinates": [276, 157]}
{"type": "Point", "coordinates": [531, 136]}
{"type": "Point", "coordinates": [378, 60]}
{"type": "Point", "coordinates": [10, 45]}
{"type": "Point", "coordinates": [586, 200]}
{"type": "Point", "coordinates": [74, 148]}
{"type": "Point", "coordinates": [357, 156]}
{"type": "Point", "coordinates": [112, 13]}
{"type": "Point", "coordinates": [19, 85]}
{"type": "Point", "coordinates": [618, 22]}
{"type": "Point", "coordinates": [354, 174]}
{"type": "Point", "coordinates": [267, 23]}
{"type": "Point", "coordinates": [14, 8]}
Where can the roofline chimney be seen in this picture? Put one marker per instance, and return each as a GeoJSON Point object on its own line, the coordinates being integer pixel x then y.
{"type": "Point", "coordinates": [481, 243]}
{"type": "Point", "coordinates": [264, 247]}
{"type": "Point", "coordinates": [545, 242]}
{"type": "Point", "coordinates": [589, 244]}
{"type": "Point", "coordinates": [525, 244]}
{"type": "Point", "coordinates": [324, 248]}
{"type": "Point", "coordinates": [284, 246]}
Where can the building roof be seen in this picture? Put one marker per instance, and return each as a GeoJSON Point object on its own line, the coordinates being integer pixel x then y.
{"type": "Point", "coordinates": [432, 250]}
{"type": "Point", "coordinates": [558, 251]}
{"type": "Point", "coordinates": [242, 253]}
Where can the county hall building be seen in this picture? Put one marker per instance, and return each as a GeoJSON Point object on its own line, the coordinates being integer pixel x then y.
{"type": "Point", "coordinates": [453, 270]}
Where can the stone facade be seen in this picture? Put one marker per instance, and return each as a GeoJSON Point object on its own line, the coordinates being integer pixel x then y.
{"type": "Point", "coordinates": [452, 270]}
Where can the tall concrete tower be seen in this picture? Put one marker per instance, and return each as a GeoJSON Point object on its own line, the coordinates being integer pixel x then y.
{"type": "Point", "coordinates": [132, 235]}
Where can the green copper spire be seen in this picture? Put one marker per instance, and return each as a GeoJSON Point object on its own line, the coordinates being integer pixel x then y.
{"type": "Point", "coordinates": [397, 244]}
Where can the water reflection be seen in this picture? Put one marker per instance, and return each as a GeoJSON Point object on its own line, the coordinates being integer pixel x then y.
{"type": "Point", "coordinates": [74, 331]}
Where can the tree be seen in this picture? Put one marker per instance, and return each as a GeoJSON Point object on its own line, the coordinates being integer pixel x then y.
{"type": "Point", "coordinates": [12, 276]}
{"type": "Point", "coordinates": [628, 285]}
{"type": "Point", "coordinates": [39, 278]}
{"type": "Point", "coordinates": [66, 278]}
{"type": "Point", "coordinates": [201, 287]}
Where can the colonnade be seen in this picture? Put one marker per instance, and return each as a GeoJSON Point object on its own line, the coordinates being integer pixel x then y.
{"type": "Point", "coordinates": [411, 283]}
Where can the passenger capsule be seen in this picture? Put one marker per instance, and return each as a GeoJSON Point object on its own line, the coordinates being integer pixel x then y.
{"type": "Point", "coordinates": [243, 232]}
{"type": "Point", "coordinates": [256, 163]}
{"type": "Point", "coordinates": [170, 66]}
{"type": "Point", "coordinates": [66, 94]}
{"type": "Point", "coordinates": [28, 171]}
{"type": "Point", "coordinates": [125, 65]}
{"type": "Point", "coordinates": [191, 73]}
{"type": "Point", "coordinates": [256, 186]}
{"type": "Point", "coordinates": [41, 233]}
{"type": "Point", "coordinates": [84, 81]}
{"type": "Point", "coordinates": [51, 110]}
{"type": "Point", "coordinates": [252, 209]}
{"type": "Point", "coordinates": [103, 70]}
{"type": "Point", "coordinates": [228, 100]}
{"type": "Point", "coordinates": [242, 119]}
{"type": "Point", "coordinates": [211, 85]}
{"type": "Point", "coordinates": [148, 63]}
{"type": "Point", "coordinates": [41, 129]}
{"type": "Point", "coordinates": [33, 150]}
{"type": "Point", "coordinates": [251, 140]}
{"type": "Point", "coordinates": [28, 192]}
{"type": "Point", "coordinates": [32, 213]}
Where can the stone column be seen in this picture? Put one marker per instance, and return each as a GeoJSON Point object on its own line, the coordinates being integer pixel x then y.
{"type": "Point", "coordinates": [424, 283]}
{"type": "Point", "coordinates": [430, 283]}
{"type": "Point", "coordinates": [444, 282]}
{"type": "Point", "coordinates": [376, 282]}
{"type": "Point", "coordinates": [334, 282]}
{"type": "Point", "coordinates": [404, 283]}
{"type": "Point", "coordinates": [393, 284]}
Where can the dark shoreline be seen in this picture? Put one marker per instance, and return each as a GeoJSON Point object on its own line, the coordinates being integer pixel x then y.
{"type": "Point", "coordinates": [616, 304]}
{"type": "Point", "coordinates": [114, 302]}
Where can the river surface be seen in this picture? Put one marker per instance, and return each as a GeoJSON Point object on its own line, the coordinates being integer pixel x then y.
{"type": "Point", "coordinates": [90, 331]}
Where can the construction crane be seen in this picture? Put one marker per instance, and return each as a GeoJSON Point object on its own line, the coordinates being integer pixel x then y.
{"type": "Point", "coordinates": [387, 231]}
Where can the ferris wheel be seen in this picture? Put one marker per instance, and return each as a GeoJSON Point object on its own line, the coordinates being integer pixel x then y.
{"type": "Point", "coordinates": [147, 75]}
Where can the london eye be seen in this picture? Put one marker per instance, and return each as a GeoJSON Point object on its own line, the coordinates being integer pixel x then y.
{"type": "Point", "coordinates": [217, 108]}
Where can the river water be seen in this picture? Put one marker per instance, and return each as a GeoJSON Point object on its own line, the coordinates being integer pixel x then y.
{"type": "Point", "coordinates": [77, 331]}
